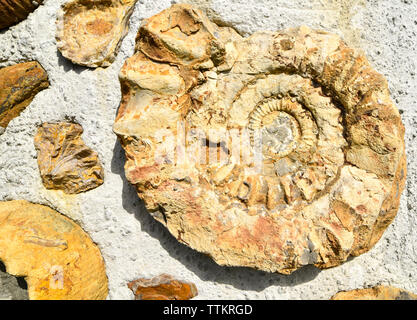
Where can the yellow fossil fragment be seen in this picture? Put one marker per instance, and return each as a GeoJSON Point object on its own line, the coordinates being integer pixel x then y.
{"type": "Point", "coordinates": [65, 162]}
{"type": "Point", "coordinates": [56, 257]}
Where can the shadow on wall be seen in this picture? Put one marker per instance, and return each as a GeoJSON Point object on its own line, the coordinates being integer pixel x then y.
{"type": "Point", "coordinates": [68, 65]}
{"type": "Point", "coordinates": [11, 287]}
{"type": "Point", "coordinates": [202, 265]}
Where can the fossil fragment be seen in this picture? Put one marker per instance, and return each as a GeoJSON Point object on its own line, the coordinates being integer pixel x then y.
{"type": "Point", "coordinates": [19, 84]}
{"type": "Point", "coordinates": [163, 287]}
{"type": "Point", "coordinates": [64, 161]}
{"type": "Point", "coordinates": [56, 257]}
{"type": "Point", "coordinates": [375, 293]}
{"type": "Point", "coordinates": [89, 32]}
{"type": "Point", "coordinates": [274, 151]}
{"type": "Point", "coordinates": [12, 12]}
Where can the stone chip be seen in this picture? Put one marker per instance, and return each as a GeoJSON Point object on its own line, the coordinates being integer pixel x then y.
{"type": "Point", "coordinates": [163, 287]}
{"type": "Point", "coordinates": [65, 162]}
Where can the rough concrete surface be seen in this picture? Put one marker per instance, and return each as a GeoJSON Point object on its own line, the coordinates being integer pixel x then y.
{"type": "Point", "coordinates": [132, 243]}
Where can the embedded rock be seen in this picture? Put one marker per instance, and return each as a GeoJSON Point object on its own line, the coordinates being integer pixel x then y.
{"type": "Point", "coordinates": [163, 287]}
{"type": "Point", "coordinates": [11, 288]}
{"type": "Point", "coordinates": [274, 151]}
{"type": "Point", "coordinates": [56, 257]}
{"type": "Point", "coordinates": [12, 12]}
{"type": "Point", "coordinates": [64, 161]}
{"type": "Point", "coordinates": [375, 293]}
{"type": "Point", "coordinates": [89, 32]}
{"type": "Point", "coordinates": [19, 84]}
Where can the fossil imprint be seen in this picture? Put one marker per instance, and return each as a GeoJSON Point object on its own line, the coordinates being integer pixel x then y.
{"type": "Point", "coordinates": [89, 32]}
{"type": "Point", "coordinates": [308, 148]}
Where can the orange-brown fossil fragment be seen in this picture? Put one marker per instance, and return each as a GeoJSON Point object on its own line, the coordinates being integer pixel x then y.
{"type": "Point", "coordinates": [56, 257]}
{"type": "Point", "coordinates": [375, 293]}
{"type": "Point", "coordinates": [273, 151]}
{"type": "Point", "coordinates": [19, 84]}
{"type": "Point", "coordinates": [89, 32]}
{"type": "Point", "coordinates": [65, 162]}
{"type": "Point", "coordinates": [163, 287]}
{"type": "Point", "coordinates": [12, 12]}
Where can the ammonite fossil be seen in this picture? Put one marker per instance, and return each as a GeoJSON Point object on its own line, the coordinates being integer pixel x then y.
{"type": "Point", "coordinates": [89, 32]}
{"type": "Point", "coordinates": [14, 11]}
{"type": "Point", "coordinates": [274, 151]}
{"type": "Point", "coordinates": [57, 258]}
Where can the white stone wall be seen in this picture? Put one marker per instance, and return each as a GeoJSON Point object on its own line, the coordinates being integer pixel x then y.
{"type": "Point", "coordinates": [132, 243]}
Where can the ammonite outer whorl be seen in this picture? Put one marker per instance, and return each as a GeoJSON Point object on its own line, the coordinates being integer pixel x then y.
{"type": "Point", "coordinates": [274, 151]}
{"type": "Point", "coordinates": [55, 255]}
{"type": "Point", "coordinates": [14, 11]}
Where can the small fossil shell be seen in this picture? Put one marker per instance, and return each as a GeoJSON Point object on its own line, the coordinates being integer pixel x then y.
{"type": "Point", "coordinates": [89, 32]}
{"type": "Point", "coordinates": [65, 162]}
{"type": "Point", "coordinates": [292, 147]}
{"type": "Point", "coordinates": [57, 258]}
{"type": "Point", "coordinates": [12, 12]}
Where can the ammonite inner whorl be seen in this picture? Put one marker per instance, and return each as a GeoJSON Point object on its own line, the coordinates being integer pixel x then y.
{"type": "Point", "coordinates": [274, 151]}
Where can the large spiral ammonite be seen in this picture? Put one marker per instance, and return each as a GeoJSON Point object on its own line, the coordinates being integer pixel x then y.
{"type": "Point", "coordinates": [274, 151]}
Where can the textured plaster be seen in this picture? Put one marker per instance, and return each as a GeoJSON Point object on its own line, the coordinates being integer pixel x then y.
{"type": "Point", "coordinates": [132, 243]}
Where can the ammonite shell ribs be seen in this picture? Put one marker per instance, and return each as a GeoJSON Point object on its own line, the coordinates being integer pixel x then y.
{"type": "Point", "coordinates": [14, 11]}
{"type": "Point", "coordinates": [274, 151]}
{"type": "Point", "coordinates": [19, 84]}
{"type": "Point", "coordinates": [89, 32]}
{"type": "Point", "coordinates": [57, 258]}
